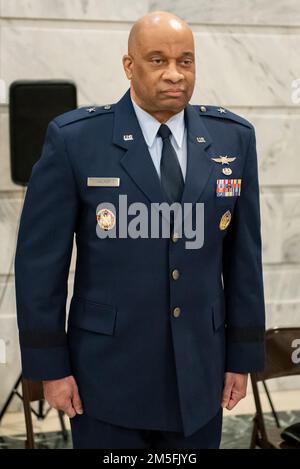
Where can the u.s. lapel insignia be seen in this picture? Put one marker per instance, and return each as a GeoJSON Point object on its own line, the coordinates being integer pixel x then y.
{"type": "Point", "coordinates": [224, 159]}
{"type": "Point", "coordinates": [127, 137]}
{"type": "Point", "coordinates": [227, 171]}
{"type": "Point", "coordinates": [225, 220]}
{"type": "Point", "coordinates": [106, 219]}
{"type": "Point", "coordinates": [201, 140]}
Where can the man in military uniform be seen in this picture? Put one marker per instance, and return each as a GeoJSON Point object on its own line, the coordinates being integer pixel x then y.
{"type": "Point", "coordinates": [160, 338]}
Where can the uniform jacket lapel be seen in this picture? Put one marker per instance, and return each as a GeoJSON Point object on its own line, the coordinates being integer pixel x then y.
{"type": "Point", "coordinates": [137, 161]}
{"type": "Point", "coordinates": [199, 164]}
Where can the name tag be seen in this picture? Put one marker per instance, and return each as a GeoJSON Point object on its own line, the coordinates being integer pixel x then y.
{"type": "Point", "coordinates": [103, 182]}
{"type": "Point", "coordinates": [228, 187]}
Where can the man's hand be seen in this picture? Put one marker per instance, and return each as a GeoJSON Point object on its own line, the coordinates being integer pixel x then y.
{"type": "Point", "coordinates": [62, 394]}
{"type": "Point", "coordinates": [234, 389]}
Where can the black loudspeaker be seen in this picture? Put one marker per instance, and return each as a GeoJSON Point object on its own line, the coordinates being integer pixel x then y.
{"type": "Point", "coordinates": [32, 105]}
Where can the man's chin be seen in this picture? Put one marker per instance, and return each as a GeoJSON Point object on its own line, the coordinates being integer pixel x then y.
{"type": "Point", "coordinates": [173, 103]}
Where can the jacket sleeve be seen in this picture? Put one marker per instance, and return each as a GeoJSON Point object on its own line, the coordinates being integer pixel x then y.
{"type": "Point", "coordinates": [242, 275]}
{"type": "Point", "coordinates": [42, 261]}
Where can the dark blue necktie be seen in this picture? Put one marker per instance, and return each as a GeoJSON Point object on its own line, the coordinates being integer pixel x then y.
{"type": "Point", "coordinates": [170, 171]}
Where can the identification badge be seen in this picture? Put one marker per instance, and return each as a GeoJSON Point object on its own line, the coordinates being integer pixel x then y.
{"type": "Point", "coordinates": [103, 182]}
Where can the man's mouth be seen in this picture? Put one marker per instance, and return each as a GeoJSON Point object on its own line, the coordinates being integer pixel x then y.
{"type": "Point", "coordinates": [173, 92]}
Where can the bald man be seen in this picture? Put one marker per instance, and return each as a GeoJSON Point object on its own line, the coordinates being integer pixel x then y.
{"type": "Point", "coordinates": [162, 329]}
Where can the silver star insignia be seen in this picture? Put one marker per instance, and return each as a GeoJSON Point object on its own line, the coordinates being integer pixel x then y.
{"type": "Point", "coordinates": [221, 110]}
{"type": "Point", "coordinates": [91, 109]}
{"type": "Point", "coordinates": [224, 159]}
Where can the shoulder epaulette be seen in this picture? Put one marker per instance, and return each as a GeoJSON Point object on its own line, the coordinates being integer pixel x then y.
{"type": "Point", "coordinates": [82, 113]}
{"type": "Point", "coordinates": [221, 112]}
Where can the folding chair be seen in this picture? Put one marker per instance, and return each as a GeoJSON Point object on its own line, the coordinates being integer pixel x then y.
{"type": "Point", "coordinates": [279, 349]}
{"type": "Point", "coordinates": [33, 391]}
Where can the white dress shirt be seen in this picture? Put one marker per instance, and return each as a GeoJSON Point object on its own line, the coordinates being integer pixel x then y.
{"type": "Point", "coordinates": [150, 126]}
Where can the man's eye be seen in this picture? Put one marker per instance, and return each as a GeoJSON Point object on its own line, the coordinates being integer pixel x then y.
{"type": "Point", "coordinates": [186, 62]}
{"type": "Point", "coordinates": [157, 61]}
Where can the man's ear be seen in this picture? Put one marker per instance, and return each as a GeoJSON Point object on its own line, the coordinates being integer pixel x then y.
{"type": "Point", "coordinates": [127, 61]}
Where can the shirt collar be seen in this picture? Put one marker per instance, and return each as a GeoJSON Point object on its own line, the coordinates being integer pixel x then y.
{"type": "Point", "coordinates": [150, 125]}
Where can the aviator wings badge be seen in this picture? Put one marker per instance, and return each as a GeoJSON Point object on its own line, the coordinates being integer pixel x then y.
{"type": "Point", "coordinates": [224, 159]}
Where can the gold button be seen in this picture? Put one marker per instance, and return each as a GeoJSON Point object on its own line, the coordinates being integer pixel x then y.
{"type": "Point", "coordinates": [175, 237]}
{"type": "Point", "coordinates": [175, 274]}
{"type": "Point", "coordinates": [176, 312]}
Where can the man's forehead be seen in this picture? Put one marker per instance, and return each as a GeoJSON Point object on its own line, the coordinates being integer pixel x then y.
{"type": "Point", "coordinates": [162, 51]}
{"type": "Point", "coordinates": [166, 34]}
{"type": "Point", "coordinates": [164, 41]}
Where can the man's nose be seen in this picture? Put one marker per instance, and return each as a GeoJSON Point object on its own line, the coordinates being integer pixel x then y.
{"type": "Point", "coordinates": [172, 73]}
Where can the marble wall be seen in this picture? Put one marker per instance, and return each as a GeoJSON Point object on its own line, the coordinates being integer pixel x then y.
{"type": "Point", "coordinates": [247, 60]}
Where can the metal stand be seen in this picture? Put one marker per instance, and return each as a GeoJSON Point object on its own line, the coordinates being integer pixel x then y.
{"type": "Point", "coordinates": [11, 396]}
{"type": "Point", "coordinates": [41, 414]}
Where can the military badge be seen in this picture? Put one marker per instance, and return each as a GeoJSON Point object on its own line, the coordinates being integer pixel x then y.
{"type": "Point", "coordinates": [201, 140]}
{"type": "Point", "coordinates": [127, 137]}
{"type": "Point", "coordinates": [224, 159]}
{"type": "Point", "coordinates": [106, 219]}
{"type": "Point", "coordinates": [225, 220]}
{"type": "Point", "coordinates": [103, 182]}
{"type": "Point", "coordinates": [227, 171]}
{"type": "Point", "coordinates": [228, 187]}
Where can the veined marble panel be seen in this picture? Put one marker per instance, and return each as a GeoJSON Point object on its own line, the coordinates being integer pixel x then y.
{"type": "Point", "coordinates": [234, 69]}
{"type": "Point", "coordinates": [10, 210]}
{"type": "Point", "coordinates": [243, 69]}
{"type": "Point", "coordinates": [75, 54]}
{"type": "Point", "coordinates": [6, 183]}
{"type": "Point", "coordinates": [254, 12]}
{"type": "Point", "coordinates": [106, 10]}
{"type": "Point", "coordinates": [280, 215]}
{"type": "Point", "coordinates": [282, 284]}
{"type": "Point", "coordinates": [278, 143]}
{"type": "Point", "coordinates": [203, 12]}
{"type": "Point", "coordinates": [283, 314]}
{"type": "Point", "coordinates": [7, 299]}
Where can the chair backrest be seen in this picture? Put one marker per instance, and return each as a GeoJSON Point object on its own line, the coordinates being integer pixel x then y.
{"type": "Point", "coordinates": [32, 390]}
{"type": "Point", "coordinates": [280, 345]}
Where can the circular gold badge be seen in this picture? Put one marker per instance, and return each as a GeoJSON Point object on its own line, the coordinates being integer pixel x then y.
{"type": "Point", "coordinates": [225, 220]}
{"type": "Point", "coordinates": [106, 219]}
